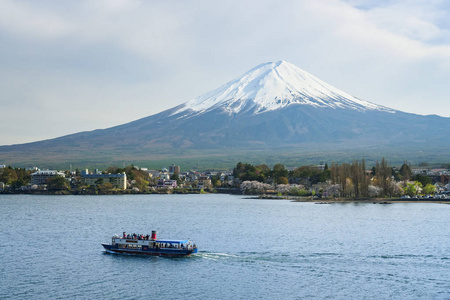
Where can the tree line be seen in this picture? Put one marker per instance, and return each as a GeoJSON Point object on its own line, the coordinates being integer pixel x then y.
{"type": "Point", "coordinates": [279, 174]}
{"type": "Point", "coordinates": [350, 180]}
{"type": "Point", "coordinates": [353, 179]}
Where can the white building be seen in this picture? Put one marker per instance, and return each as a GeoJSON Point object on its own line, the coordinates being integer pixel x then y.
{"type": "Point", "coordinates": [117, 180]}
{"type": "Point", "coordinates": [40, 177]}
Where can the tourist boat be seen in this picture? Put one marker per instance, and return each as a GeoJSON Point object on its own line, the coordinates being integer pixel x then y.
{"type": "Point", "coordinates": [149, 245]}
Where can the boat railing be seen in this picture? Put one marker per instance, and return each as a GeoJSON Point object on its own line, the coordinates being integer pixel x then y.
{"type": "Point", "coordinates": [135, 238]}
{"type": "Point", "coordinates": [156, 244]}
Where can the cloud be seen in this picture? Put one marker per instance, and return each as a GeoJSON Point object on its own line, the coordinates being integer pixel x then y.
{"type": "Point", "coordinates": [128, 59]}
{"type": "Point", "coordinates": [31, 21]}
{"type": "Point", "coordinates": [400, 30]}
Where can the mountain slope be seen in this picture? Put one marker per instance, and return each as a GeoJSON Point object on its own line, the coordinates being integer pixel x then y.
{"type": "Point", "coordinates": [273, 108]}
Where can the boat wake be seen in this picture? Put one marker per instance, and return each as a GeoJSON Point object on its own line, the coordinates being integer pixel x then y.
{"type": "Point", "coordinates": [215, 256]}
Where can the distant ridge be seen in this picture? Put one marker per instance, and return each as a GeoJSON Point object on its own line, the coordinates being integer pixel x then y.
{"type": "Point", "coordinates": [275, 109]}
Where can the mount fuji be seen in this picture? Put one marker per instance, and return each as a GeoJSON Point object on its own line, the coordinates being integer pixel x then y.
{"type": "Point", "coordinates": [273, 86]}
{"type": "Point", "coordinates": [274, 108]}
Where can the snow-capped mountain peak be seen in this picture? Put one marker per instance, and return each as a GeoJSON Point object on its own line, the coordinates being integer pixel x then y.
{"type": "Point", "coordinates": [271, 86]}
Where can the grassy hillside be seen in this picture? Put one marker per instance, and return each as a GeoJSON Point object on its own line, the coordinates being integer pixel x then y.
{"type": "Point", "coordinates": [226, 159]}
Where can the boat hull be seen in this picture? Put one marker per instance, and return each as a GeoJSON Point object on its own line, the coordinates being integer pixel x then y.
{"type": "Point", "coordinates": [151, 251]}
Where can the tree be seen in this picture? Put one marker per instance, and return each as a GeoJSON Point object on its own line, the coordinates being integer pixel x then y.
{"type": "Point", "coordinates": [296, 190]}
{"type": "Point", "coordinates": [374, 171]}
{"type": "Point", "coordinates": [383, 176]}
{"type": "Point", "coordinates": [175, 176]}
{"type": "Point", "coordinates": [263, 170]}
{"type": "Point", "coordinates": [279, 171]}
{"type": "Point", "coordinates": [57, 183]}
{"type": "Point", "coordinates": [351, 178]}
{"type": "Point", "coordinates": [8, 175]}
{"type": "Point", "coordinates": [141, 184]}
{"type": "Point", "coordinates": [395, 189]}
{"type": "Point", "coordinates": [215, 180]}
{"type": "Point", "coordinates": [249, 187]}
{"type": "Point", "coordinates": [423, 179]}
{"type": "Point", "coordinates": [405, 171]}
{"type": "Point", "coordinates": [341, 175]}
{"type": "Point", "coordinates": [282, 180]}
{"type": "Point", "coordinates": [412, 188]}
{"type": "Point", "coordinates": [304, 172]}
{"type": "Point", "coordinates": [334, 190]}
{"type": "Point", "coordinates": [105, 187]}
{"type": "Point", "coordinates": [396, 174]}
{"type": "Point", "coordinates": [429, 189]}
{"type": "Point", "coordinates": [374, 191]}
{"type": "Point", "coordinates": [16, 184]}
{"type": "Point", "coordinates": [365, 180]}
{"type": "Point", "coordinates": [324, 176]}
{"type": "Point", "coordinates": [360, 183]}
{"type": "Point", "coordinates": [247, 172]}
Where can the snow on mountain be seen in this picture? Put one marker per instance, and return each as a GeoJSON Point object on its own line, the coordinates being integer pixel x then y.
{"type": "Point", "coordinates": [272, 86]}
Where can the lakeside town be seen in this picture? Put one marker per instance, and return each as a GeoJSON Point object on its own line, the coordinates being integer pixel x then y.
{"type": "Point", "coordinates": [344, 181]}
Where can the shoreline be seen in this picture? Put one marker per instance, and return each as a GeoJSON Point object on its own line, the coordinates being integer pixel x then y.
{"type": "Point", "coordinates": [352, 200]}
{"type": "Point", "coordinates": [255, 197]}
{"type": "Point", "coordinates": [181, 191]}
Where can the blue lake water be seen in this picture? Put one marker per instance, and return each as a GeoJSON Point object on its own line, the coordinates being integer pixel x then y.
{"type": "Point", "coordinates": [248, 249]}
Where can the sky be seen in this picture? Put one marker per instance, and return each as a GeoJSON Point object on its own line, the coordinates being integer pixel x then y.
{"type": "Point", "coordinates": [72, 66]}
